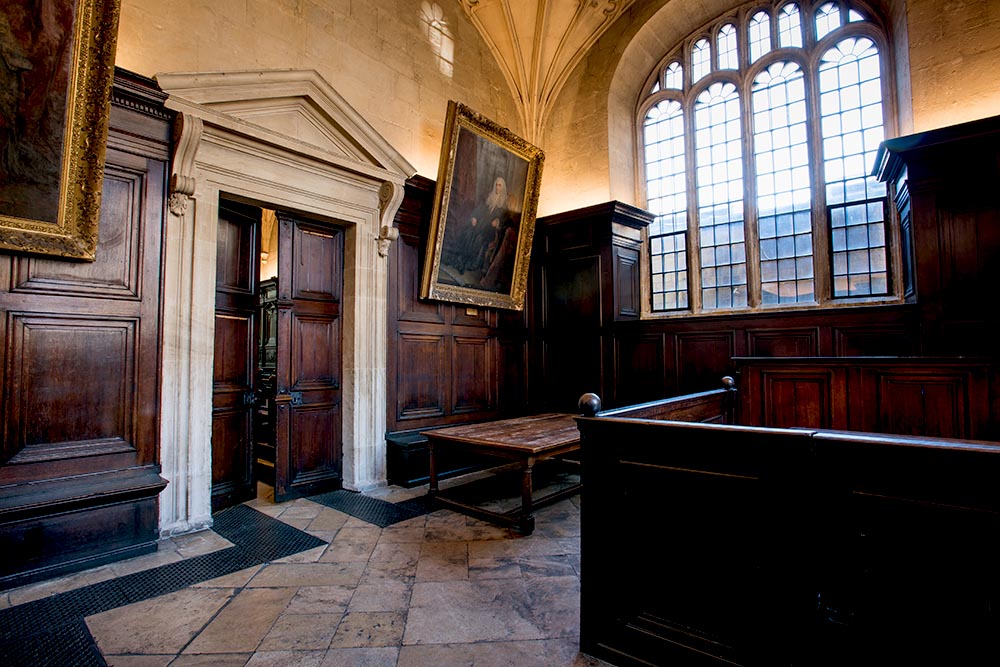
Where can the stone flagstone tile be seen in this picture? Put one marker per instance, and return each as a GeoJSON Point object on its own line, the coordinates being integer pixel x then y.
{"type": "Point", "coordinates": [287, 659]}
{"type": "Point", "coordinates": [370, 629]}
{"type": "Point", "coordinates": [320, 600]}
{"type": "Point", "coordinates": [546, 566]}
{"type": "Point", "coordinates": [138, 660]}
{"type": "Point", "coordinates": [470, 611]}
{"type": "Point", "coordinates": [298, 632]}
{"type": "Point", "coordinates": [396, 552]}
{"type": "Point", "coordinates": [44, 589]}
{"type": "Point", "coordinates": [376, 572]}
{"type": "Point", "coordinates": [364, 534]}
{"type": "Point", "coordinates": [443, 561]}
{"type": "Point", "coordinates": [329, 520]}
{"type": "Point", "coordinates": [341, 551]}
{"type": "Point", "coordinates": [493, 568]}
{"type": "Point", "coordinates": [158, 626]}
{"type": "Point", "coordinates": [555, 605]}
{"type": "Point", "coordinates": [200, 543]}
{"type": "Point", "coordinates": [397, 533]}
{"type": "Point", "coordinates": [308, 556]}
{"type": "Point", "coordinates": [539, 653]}
{"type": "Point", "coordinates": [237, 579]}
{"type": "Point", "coordinates": [242, 624]}
{"type": "Point", "coordinates": [166, 553]}
{"type": "Point", "coordinates": [308, 574]}
{"type": "Point", "coordinates": [383, 596]}
{"type": "Point", "coordinates": [362, 657]}
{"type": "Point", "coordinates": [212, 660]}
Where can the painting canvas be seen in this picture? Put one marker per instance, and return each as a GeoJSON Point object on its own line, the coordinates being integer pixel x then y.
{"type": "Point", "coordinates": [483, 220]}
{"type": "Point", "coordinates": [56, 69]}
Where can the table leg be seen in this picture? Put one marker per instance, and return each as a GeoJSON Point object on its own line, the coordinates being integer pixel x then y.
{"type": "Point", "coordinates": [527, 510]}
{"type": "Point", "coordinates": [432, 469]}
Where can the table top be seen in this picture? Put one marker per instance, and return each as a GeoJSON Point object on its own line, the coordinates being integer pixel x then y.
{"type": "Point", "coordinates": [532, 435]}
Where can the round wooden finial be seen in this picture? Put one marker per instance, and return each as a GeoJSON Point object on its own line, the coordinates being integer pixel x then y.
{"type": "Point", "coordinates": [728, 382]}
{"type": "Point", "coordinates": [589, 404]}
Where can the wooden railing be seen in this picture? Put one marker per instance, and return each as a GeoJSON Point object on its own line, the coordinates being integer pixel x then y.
{"type": "Point", "coordinates": [713, 543]}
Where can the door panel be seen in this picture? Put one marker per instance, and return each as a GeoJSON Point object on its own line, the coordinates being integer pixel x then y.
{"type": "Point", "coordinates": [308, 401]}
{"type": "Point", "coordinates": [237, 267]}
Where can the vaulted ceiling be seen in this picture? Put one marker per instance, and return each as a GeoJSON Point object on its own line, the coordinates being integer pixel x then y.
{"type": "Point", "coordinates": [538, 43]}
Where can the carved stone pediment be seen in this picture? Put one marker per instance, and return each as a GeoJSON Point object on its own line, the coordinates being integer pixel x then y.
{"type": "Point", "coordinates": [291, 107]}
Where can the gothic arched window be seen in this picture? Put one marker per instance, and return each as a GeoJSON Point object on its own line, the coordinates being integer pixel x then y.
{"type": "Point", "coordinates": [758, 137]}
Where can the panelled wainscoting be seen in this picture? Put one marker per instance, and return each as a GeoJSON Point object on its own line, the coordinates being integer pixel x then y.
{"type": "Point", "coordinates": [80, 453]}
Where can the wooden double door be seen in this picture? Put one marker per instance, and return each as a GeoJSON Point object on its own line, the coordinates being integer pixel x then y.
{"type": "Point", "coordinates": [306, 402]}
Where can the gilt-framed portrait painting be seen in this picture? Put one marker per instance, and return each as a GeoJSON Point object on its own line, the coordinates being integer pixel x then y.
{"type": "Point", "coordinates": [56, 71]}
{"type": "Point", "coordinates": [483, 220]}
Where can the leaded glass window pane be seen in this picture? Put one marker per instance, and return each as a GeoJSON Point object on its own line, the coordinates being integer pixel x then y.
{"type": "Point", "coordinates": [789, 26]}
{"type": "Point", "coordinates": [719, 178]}
{"type": "Point", "coordinates": [673, 76]}
{"type": "Point", "coordinates": [852, 127]}
{"type": "Point", "coordinates": [784, 193]}
{"type": "Point", "coordinates": [701, 60]}
{"type": "Point", "coordinates": [760, 36]}
{"type": "Point", "coordinates": [827, 20]}
{"type": "Point", "coordinates": [728, 54]}
{"type": "Point", "coordinates": [666, 193]}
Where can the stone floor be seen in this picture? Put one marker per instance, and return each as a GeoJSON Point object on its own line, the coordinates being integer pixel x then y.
{"type": "Point", "coordinates": [438, 590]}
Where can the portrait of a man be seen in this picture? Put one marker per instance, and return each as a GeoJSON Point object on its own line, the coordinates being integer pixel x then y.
{"type": "Point", "coordinates": [36, 52]}
{"type": "Point", "coordinates": [484, 214]}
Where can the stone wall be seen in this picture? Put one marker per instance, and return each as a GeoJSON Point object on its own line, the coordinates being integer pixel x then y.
{"type": "Point", "coordinates": [380, 55]}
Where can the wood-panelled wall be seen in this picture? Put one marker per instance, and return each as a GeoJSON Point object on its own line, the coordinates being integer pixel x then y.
{"type": "Point", "coordinates": [80, 363]}
{"type": "Point", "coordinates": [448, 363]}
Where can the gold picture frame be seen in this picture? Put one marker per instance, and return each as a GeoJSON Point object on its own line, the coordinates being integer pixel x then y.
{"type": "Point", "coordinates": [54, 124]}
{"type": "Point", "coordinates": [483, 221]}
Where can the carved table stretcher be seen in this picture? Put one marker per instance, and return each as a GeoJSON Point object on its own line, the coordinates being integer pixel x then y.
{"type": "Point", "coordinates": [525, 440]}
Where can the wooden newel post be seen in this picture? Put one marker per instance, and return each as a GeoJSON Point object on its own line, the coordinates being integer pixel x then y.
{"type": "Point", "coordinates": [729, 406]}
{"type": "Point", "coordinates": [589, 405]}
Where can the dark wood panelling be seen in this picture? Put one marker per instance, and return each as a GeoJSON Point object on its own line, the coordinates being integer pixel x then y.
{"type": "Point", "coordinates": [863, 341]}
{"type": "Point", "coordinates": [788, 547]}
{"type": "Point", "coordinates": [235, 356]}
{"type": "Point", "coordinates": [627, 298]}
{"type": "Point", "coordinates": [920, 396]}
{"type": "Point", "coordinates": [419, 393]}
{"type": "Point", "coordinates": [699, 358]}
{"type": "Point", "coordinates": [80, 365]}
{"type": "Point", "coordinates": [797, 400]}
{"type": "Point", "coordinates": [637, 359]}
{"type": "Point", "coordinates": [472, 360]}
{"type": "Point", "coordinates": [783, 342]}
{"type": "Point", "coordinates": [308, 435]}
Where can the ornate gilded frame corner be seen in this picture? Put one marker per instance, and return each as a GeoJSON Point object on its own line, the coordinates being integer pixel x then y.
{"type": "Point", "coordinates": [501, 155]}
{"type": "Point", "coordinates": [70, 231]}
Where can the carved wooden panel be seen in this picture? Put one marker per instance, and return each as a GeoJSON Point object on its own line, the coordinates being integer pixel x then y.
{"type": "Point", "coordinates": [47, 415]}
{"type": "Point", "coordinates": [639, 369]}
{"type": "Point", "coordinates": [316, 456]}
{"type": "Point", "coordinates": [315, 348]}
{"type": "Point", "coordinates": [513, 376]}
{"type": "Point", "coordinates": [929, 405]}
{"type": "Point", "coordinates": [237, 241]}
{"type": "Point", "coordinates": [783, 342]}
{"type": "Point", "coordinates": [420, 375]}
{"type": "Point", "coordinates": [797, 399]}
{"type": "Point", "coordinates": [116, 271]}
{"type": "Point", "coordinates": [318, 274]}
{"type": "Point", "coordinates": [627, 294]}
{"type": "Point", "coordinates": [405, 259]}
{"type": "Point", "coordinates": [573, 294]}
{"type": "Point", "coordinates": [885, 340]}
{"type": "Point", "coordinates": [472, 370]}
{"type": "Point", "coordinates": [702, 360]}
{"type": "Point", "coordinates": [234, 347]}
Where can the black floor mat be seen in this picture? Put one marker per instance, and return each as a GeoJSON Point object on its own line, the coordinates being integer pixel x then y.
{"type": "Point", "coordinates": [51, 631]}
{"type": "Point", "coordinates": [373, 510]}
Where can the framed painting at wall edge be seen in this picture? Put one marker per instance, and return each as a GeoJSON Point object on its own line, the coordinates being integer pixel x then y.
{"type": "Point", "coordinates": [55, 95]}
{"type": "Point", "coordinates": [483, 220]}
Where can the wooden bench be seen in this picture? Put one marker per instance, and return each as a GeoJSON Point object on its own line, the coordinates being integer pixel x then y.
{"type": "Point", "coordinates": [721, 544]}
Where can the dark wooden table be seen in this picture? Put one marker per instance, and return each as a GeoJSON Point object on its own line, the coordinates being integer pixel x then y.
{"type": "Point", "coordinates": [526, 441]}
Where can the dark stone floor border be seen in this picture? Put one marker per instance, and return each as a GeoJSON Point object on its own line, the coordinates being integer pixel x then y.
{"type": "Point", "coordinates": [373, 510]}
{"type": "Point", "coordinates": [51, 632]}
